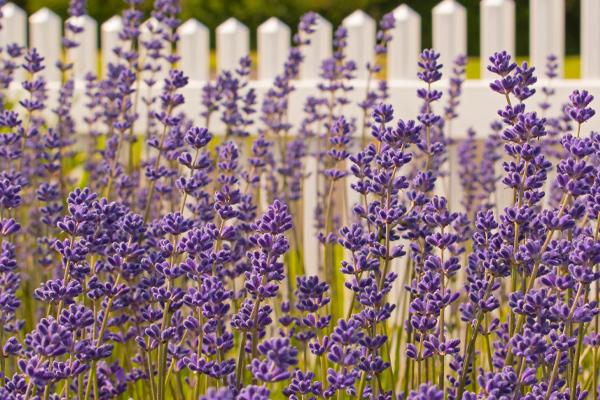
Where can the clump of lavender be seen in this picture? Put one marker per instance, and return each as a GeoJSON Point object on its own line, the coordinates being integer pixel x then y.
{"type": "Point", "coordinates": [172, 277]}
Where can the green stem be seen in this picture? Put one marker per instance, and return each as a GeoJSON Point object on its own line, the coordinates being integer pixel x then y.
{"type": "Point", "coordinates": [471, 345]}
{"type": "Point", "coordinates": [99, 340]}
{"type": "Point", "coordinates": [576, 360]}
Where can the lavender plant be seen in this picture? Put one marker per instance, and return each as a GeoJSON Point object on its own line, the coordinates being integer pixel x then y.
{"type": "Point", "coordinates": [177, 271]}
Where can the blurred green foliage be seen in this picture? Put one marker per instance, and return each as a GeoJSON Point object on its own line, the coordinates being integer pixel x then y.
{"type": "Point", "coordinates": [254, 12]}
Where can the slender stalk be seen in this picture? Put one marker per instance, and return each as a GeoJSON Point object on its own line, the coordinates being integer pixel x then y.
{"type": "Point", "coordinates": [156, 165]}
{"type": "Point", "coordinates": [471, 344]}
{"type": "Point", "coordinates": [578, 347]}
{"type": "Point", "coordinates": [566, 328]}
{"type": "Point", "coordinates": [104, 324]}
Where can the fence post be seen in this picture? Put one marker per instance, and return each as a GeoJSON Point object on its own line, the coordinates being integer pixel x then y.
{"type": "Point", "coordinates": [14, 30]}
{"type": "Point", "coordinates": [405, 46]}
{"type": "Point", "coordinates": [547, 32]}
{"type": "Point", "coordinates": [361, 41]}
{"type": "Point", "coordinates": [590, 38]}
{"type": "Point", "coordinates": [497, 30]}
{"type": "Point", "coordinates": [449, 32]}
{"type": "Point", "coordinates": [317, 50]}
{"type": "Point", "coordinates": [193, 48]}
{"type": "Point", "coordinates": [109, 39]}
{"type": "Point", "coordinates": [233, 43]}
{"type": "Point", "coordinates": [85, 56]}
{"type": "Point", "coordinates": [45, 36]}
{"type": "Point", "coordinates": [273, 45]}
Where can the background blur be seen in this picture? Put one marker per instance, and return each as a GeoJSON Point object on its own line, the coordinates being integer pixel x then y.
{"type": "Point", "coordinates": [254, 12]}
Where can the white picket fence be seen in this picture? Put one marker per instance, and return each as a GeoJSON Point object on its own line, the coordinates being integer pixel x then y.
{"type": "Point", "coordinates": [43, 30]}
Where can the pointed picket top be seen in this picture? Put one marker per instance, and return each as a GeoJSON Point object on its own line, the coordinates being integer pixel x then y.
{"type": "Point", "coordinates": [231, 25]}
{"type": "Point", "coordinates": [85, 56]}
{"type": "Point", "coordinates": [42, 15]}
{"type": "Point", "coordinates": [113, 24]}
{"type": "Point", "coordinates": [497, 30]}
{"type": "Point", "coordinates": [233, 43]}
{"type": "Point", "coordinates": [547, 32]}
{"type": "Point", "coordinates": [361, 40]}
{"type": "Point", "coordinates": [193, 48]}
{"type": "Point", "coordinates": [403, 12]}
{"type": "Point", "coordinates": [449, 32]}
{"type": "Point", "coordinates": [45, 35]}
{"type": "Point", "coordinates": [273, 46]}
{"type": "Point", "coordinates": [109, 39]}
{"type": "Point", "coordinates": [405, 46]}
{"type": "Point", "coordinates": [448, 7]}
{"type": "Point", "coordinates": [358, 18]}
{"type": "Point", "coordinates": [317, 50]}
{"type": "Point", "coordinates": [590, 37]}
{"type": "Point", "coordinates": [10, 9]}
{"type": "Point", "coordinates": [272, 25]}
{"type": "Point", "coordinates": [192, 26]}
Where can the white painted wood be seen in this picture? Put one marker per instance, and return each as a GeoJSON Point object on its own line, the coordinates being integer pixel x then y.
{"type": "Point", "coordinates": [361, 41]}
{"type": "Point", "coordinates": [547, 32]}
{"type": "Point", "coordinates": [14, 30]}
{"type": "Point", "coordinates": [152, 29]}
{"type": "Point", "coordinates": [273, 47]}
{"type": "Point", "coordinates": [497, 30]}
{"type": "Point", "coordinates": [317, 50]}
{"type": "Point", "coordinates": [590, 39]}
{"type": "Point", "coordinates": [309, 203]}
{"type": "Point", "coordinates": [233, 43]}
{"type": "Point", "coordinates": [405, 46]}
{"type": "Point", "coordinates": [193, 48]}
{"type": "Point", "coordinates": [85, 56]}
{"type": "Point", "coordinates": [14, 25]}
{"type": "Point", "coordinates": [449, 32]}
{"type": "Point", "coordinates": [45, 36]}
{"type": "Point", "coordinates": [109, 37]}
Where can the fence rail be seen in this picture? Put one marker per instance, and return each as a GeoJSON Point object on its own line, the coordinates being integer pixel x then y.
{"type": "Point", "coordinates": [43, 30]}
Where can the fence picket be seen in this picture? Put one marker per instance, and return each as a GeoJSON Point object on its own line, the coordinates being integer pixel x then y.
{"type": "Point", "coordinates": [193, 48]}
{"type": "Point", "coordinates": [151, 30]}
{"type": "Point", "coordinates": [273, 46]}
{"type": "Point", "coordinates": [361, 40]}
{"type": "Point", "coordinates": [405, 45]}
{"type": "Point", "coordinates": [110, 40]}
{"type": "Point", "coordinates": [449, 32]}
{"type": "Point", "coordinates": [14, 30]}
{"type": "Point", "coordinates": [85, 56]}
{"type": "Point", "coordinates": [233, 43]}
{"type": "Point", "coordinates": [45, 36]}
{"type": "Point", "coordinates": [14, 25]}
{"type": "Point", "coordinates": [590, 37]}
{"type": "Point", "coordinates": [547, 32]}
{"type": "Point", "coordinates": [497, 30]}
{"type": "Point", "coordinates": [317, 50]}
